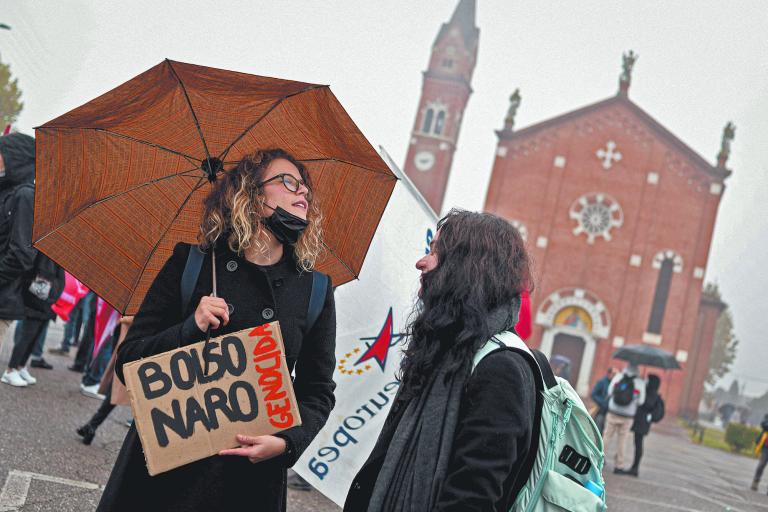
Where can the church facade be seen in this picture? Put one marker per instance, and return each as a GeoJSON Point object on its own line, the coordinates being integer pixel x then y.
{"type": "Point", "coordinates": [618, 214]}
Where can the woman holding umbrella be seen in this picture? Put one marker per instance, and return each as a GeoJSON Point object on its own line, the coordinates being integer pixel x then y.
{"type": "Point", "coordinates": [261, 222]}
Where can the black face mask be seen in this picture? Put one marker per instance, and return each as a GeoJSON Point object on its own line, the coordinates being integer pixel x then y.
{"type": "Point", "coordinates": [286, 227]}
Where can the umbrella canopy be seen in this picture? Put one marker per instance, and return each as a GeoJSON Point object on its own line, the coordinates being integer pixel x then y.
{"type": "Point", "coordinates": [121, 179]}
{"type": "Point", "coordinates": [648, 356]}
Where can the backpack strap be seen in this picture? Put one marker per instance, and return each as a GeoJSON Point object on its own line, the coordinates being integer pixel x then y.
{"type": "Point", "coordinates": [546, 369]}
{"type": "Point", "coordinates": [316, 298]}
{"type": "Point", "coordinates": [544, 378]}
{"type": "Point", "coordinates": [537, 360]}
{"type": "Point", "coordinates": [190, 275]}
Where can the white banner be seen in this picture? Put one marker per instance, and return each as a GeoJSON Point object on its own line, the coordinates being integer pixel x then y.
{"type": "Point", "coordinates": [371, 314]}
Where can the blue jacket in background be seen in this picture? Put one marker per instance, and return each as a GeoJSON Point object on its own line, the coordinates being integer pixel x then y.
{"type": "Point", "coordinates": [600, 394]}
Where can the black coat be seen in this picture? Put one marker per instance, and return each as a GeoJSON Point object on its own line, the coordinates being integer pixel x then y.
{"type": "Point", "coordinates": [491, 454]}
{"type": "Point", "coordinates": [17, 193]}
{"type": "Point", "coordinates": [649, 412]}
{"type": "Point", "coordinates": [257, 294]}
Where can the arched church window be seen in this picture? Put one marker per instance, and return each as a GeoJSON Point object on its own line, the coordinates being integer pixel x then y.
{"type": "Point", "coordinates": [426, 127]}
{"type": "Point", "coordinates": [660, 296]}
{"type": "Point", "coordinates": [440, 123]}
{"type": "Point", "coordinates": [447, 63]}
{"type": "Point", "coordinates": [667, 262]}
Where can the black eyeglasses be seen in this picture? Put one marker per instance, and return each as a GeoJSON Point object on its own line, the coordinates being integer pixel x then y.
{"type": "Point", "coordinates": [290, 182]}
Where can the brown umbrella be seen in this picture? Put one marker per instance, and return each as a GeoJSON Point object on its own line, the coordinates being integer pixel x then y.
{"type": "Point", "coordinates": [121, 179]}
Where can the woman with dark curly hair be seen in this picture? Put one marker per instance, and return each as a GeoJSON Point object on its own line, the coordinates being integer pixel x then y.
{"type": "Point", "coordinates": [263, 226]}
{"type": "Point", "coordinates": [457, 439]}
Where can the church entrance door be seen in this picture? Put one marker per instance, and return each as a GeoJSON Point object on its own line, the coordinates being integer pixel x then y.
{"type": "Point", "coordinates": [571, 347]}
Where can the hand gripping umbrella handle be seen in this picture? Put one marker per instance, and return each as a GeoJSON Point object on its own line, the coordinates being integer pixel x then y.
{"type": "Point", "coordinates": [208, 332]}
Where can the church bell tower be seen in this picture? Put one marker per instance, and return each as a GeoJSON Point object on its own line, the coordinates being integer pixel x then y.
{"type": "Point", "coordinates": [445, 91]}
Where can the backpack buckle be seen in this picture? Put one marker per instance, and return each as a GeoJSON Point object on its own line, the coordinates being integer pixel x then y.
{"type": "Point", "coordinates": [574, 460]}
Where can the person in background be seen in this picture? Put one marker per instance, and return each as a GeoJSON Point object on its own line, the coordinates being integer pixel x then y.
{"type": "Point", "coordinates": [88, 431]}
{"type": "Point", "coordinates": [650, 411]}
{"type": "Point", "coordinates": [561, 366]}
{"type": "Point", "coordinates": [37, 360]}
{"type": "Point", "coordinates": [78, 318]}
{"type": "Point", "coordinates": [626, 392]}
{"type": "Point", "coordinates": [17, 256]}
{"type": "Point", "coordinates": [600, 397]}
{"type": "Point", "coordinates": [30, 282]}
{"type": "Point", "coordinates": [762, 448]}
{"type": "Point", "coordinates": [42, 288]}
{"type": "Point", "coordinates": [85, 346]}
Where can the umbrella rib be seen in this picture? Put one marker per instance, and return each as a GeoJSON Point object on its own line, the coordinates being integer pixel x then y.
{"type": "Point", "coordinates": [200, 182]}
{"type": "Point", "coordinates": [332, 159]}
{"type": "Point", "coordinates": [333, 253]}
{"type": "Point", "coordinates": [191, 110]}
{"type": "Point", "coordinates": [190, 159]}
{"type": "Point", "coordinates": [265, 114]}
{"type": "Point", "coordinates": [108, 198]}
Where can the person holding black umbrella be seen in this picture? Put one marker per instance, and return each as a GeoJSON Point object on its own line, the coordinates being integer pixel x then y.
{"type": "Point", "coordinates": [650, 411]}
{"type": "Point", "coordinates": [264, 225]}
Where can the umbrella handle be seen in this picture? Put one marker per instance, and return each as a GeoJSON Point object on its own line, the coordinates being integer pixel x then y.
{"type": "Point", "coordinates": [208, 332]}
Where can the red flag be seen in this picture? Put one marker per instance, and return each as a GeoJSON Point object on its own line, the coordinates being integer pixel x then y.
{"type": "Point", "coordinates": [74, 290]}
{"type": "Point", "coordinates": [106, 321]}
{"type": "Point", "coordinates": [524, 325]}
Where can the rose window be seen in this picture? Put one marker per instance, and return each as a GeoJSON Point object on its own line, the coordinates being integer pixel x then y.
{"type": "Point", "coordinates": [595, 215]}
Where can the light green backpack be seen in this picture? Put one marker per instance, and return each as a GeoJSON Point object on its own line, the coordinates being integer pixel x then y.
{"type": "Point", "coordinates": [568, 471]}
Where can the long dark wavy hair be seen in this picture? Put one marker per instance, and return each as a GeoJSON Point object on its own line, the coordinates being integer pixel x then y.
{"type": "Point", "coordinates": [482, 266]}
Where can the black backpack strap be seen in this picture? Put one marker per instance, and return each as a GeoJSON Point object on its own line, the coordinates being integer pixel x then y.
{"type": "Point", "coordinates": [546, 370]}
{"type": "Point", "coordinates": [542, 371]}
{"type": "Point", "coordinates": [316, 298]}
{"type": "Point", "coordinates": [544, 379]}
{"type": "Point", "coordinates": [190, 275]}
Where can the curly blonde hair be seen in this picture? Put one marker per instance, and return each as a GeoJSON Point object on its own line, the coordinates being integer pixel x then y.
{"type": "Point", "coordinates": [235, 209]}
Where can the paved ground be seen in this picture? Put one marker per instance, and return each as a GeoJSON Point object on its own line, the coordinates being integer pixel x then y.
{"type": "Point", "coordinates": [44, 467]}
{"type": "Point", "coordinates": [676, 475]}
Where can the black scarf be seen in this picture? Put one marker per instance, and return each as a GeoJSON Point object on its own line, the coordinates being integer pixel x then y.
{"type": "Point", "coordinates": [416, 463]}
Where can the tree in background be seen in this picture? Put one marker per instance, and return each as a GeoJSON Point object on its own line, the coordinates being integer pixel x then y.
{"type": "Point", "coordinates": [733, 391]}
{"type": "Point", "coordinates": [10, 97]}
{"type": "Point", "coordinates": [725, 344]}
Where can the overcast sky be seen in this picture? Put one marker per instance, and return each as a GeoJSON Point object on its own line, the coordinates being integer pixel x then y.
{"type": "Point", "coordinates": [702, 63]}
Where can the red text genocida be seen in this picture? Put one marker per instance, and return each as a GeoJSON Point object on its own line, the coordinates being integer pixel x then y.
{"type": "Point", "coordinates": [267, 357]}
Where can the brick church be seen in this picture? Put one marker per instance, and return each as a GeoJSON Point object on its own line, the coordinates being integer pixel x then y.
{"type": "Point", "coordinates": [617, 211]}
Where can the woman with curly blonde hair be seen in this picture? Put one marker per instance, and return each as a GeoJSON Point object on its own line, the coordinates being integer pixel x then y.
{"type": "Point", "coordinates": [263, 226]}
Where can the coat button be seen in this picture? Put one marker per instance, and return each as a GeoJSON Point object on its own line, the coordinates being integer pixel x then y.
{"type": "Point", "coordinates": [231, 265]}
{"type": "Point", "coordinates": [267, 313]}
{"type": "Point", "coordinates": [230, 308]}
{"type": "Point", "coordinates": [356, 486]}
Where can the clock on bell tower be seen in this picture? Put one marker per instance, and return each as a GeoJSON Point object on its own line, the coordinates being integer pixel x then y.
{"type": "Point", "coordinates": [444, 94]}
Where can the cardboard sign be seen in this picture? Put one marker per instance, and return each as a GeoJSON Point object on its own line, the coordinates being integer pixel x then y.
{"type": "Point", "coordinates": [183, 415]}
